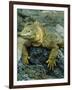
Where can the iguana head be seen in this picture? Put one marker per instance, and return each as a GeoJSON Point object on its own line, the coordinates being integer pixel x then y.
{"type": "Point", "coordinates": [32, 32]}
{"type": "Point", "coordinates": [29, 32]}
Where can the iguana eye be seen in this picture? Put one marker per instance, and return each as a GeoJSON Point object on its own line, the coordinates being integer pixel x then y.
{"type": "Point", "coordinates": [28, 31]}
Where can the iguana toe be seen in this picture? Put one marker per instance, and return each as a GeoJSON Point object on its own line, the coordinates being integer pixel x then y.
{"type": "Point", "coordinates": [51, 64]}
{"type": "Point", "coordinates": [25, 61]}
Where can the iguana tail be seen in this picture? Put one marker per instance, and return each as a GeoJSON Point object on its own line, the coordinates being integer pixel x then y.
{"type": "Point", "coordinates": [60, 31]}
{"type": "Point", "coordinates": [61, 45]}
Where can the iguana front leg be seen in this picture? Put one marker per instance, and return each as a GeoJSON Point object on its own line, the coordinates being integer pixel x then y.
{"type": "Point", "coordinates": [52, 58]}
{"type": "Point", "coordinates": [25, 56]}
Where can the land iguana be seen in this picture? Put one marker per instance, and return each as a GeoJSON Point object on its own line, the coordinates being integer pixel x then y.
{"type": "Point", "coordinates": [36, 35]}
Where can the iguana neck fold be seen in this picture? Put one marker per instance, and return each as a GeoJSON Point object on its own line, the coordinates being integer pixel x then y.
{"type": "Point", "coordinates": [39, 37]}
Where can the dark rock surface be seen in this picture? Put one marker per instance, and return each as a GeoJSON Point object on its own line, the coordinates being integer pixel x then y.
{"type": "Point", "coordinates": [37, 68]}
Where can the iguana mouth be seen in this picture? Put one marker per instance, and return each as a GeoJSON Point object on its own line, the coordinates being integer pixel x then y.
{"type": "Point", "coordinates": [22, 35]}
{"type": "Point", "coordinates": [27, 34]}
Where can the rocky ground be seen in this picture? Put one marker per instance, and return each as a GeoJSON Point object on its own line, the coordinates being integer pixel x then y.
{"type": "Point", "coordinates": [37, 68]}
